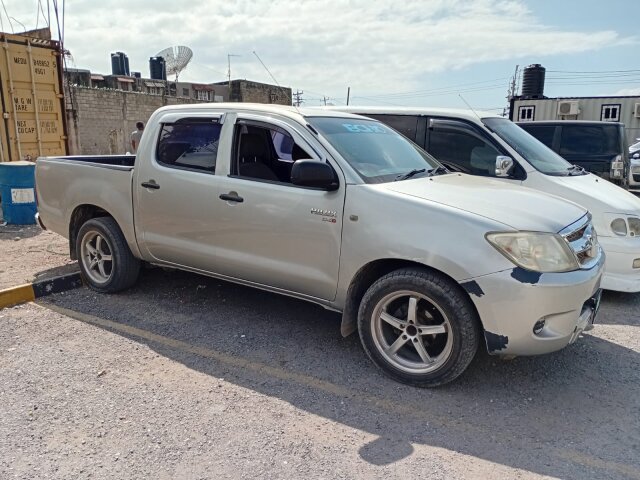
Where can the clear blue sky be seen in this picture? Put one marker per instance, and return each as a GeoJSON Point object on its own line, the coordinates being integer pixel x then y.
{"type": "Point", "coordinates": [434, 49]}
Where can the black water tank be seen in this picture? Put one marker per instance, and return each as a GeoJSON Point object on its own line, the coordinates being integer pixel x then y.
{"type": "Point", "coordinates": [157, 68]}
{"type": "Point", "coordinates": [119, 64]}
{"type": "Point", "coordinates": [533, 81]}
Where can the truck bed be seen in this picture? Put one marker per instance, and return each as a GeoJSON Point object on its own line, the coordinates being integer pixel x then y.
{"type": "Point", "coordinates": [65, 183]}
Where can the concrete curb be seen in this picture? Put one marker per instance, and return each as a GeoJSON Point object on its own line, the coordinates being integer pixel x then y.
{"type": "Point", "coordinates": [40, 288]}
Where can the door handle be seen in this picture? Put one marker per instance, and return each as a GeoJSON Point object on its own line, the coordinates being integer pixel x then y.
{"type": "Point", "coordinates": [150, 184]}
{"type": "Point", "coordinates": [231, 197]}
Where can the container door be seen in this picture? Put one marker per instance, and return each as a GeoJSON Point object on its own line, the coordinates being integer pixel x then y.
{"type": "Point", "coordinates": [32, 99]}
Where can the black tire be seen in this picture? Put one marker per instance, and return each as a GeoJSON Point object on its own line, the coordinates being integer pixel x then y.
{"type": "Point", "coordinates": [124, 269]}
{"type": "Point", "coordinates": [436, 298]}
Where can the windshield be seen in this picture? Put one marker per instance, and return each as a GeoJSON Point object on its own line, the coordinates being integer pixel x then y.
{"type": "Point", "coordinates": [378, 153]}
{"type": "Point", "coordinates": [541, 157]}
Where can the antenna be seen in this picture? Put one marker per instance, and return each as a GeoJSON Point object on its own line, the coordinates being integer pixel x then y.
{"type": "Point", "coordinates": [470, 107]}
{"type": "Point", "coordinates": [176, 59]}
{"type": "Point", "coordinates": [274, 79]}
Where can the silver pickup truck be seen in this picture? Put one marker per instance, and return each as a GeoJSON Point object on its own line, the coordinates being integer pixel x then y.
{"type": "Point", "coordinates": [342, 211]}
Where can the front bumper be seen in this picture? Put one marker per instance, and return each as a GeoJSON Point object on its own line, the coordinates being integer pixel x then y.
{"type": "Point", "coordinates": [511, 304]}
{"type": "Point", "coordinates": [619, 274]}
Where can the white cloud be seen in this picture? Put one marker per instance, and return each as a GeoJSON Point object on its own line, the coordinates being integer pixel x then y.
{"type": "Point", "coordinates": [319, 45]}
{"type": "Point", "coordinates": [626, 91]}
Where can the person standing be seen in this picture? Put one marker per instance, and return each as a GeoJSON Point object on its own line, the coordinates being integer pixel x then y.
{"type": "Point", "coordinates": [136, 135]}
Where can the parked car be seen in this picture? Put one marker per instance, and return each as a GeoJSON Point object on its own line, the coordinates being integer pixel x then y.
{"type": "Point", "coordinates": [598, 147]}
{"type": "Point", "coordinates": [493, 146]}
{"type": "Point", "coordinates": [342, 211]}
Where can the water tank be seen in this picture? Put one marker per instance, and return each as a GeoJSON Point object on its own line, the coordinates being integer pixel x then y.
{"type": "Point", "coordinates": [533, 81]}
{"type": "Point", "coordinates": [119, 64]}
{"type": "Point", "coordinates": [157, 68]}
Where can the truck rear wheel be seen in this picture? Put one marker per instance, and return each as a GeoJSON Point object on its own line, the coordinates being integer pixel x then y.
{"type": "Point", "coordinates": [418, 327]}
{"type": "Point", "coordinates": [106, 262]}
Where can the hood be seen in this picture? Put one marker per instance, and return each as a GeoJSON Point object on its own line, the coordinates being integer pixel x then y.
{"type": "Point", "coordinates": [595, 194]}
{"type": "Point", "coordinates": [513, 205]}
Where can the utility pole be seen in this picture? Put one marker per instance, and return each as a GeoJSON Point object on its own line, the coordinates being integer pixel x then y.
{"type": "Point", "coordinates": [298, 100]}
{"type": "Point", "coordinates": [512, 87]}
{"type": "Point", "coordinates": [229, 55]}
{"type": "Point", "coordinates": [348, 94]}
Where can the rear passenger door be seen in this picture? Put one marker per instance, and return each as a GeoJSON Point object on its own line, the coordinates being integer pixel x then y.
{"type": "Point", "coordinates": [176, 192]}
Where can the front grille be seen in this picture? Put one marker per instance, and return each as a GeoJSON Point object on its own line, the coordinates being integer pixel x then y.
{"type": "Point", "coordinates": [636, 177]}
{"type": "Point", "coordinates": [582, 238]}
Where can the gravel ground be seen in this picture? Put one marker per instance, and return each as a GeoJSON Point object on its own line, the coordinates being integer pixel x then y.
{"type": "Point", "coordinates": [187, 377]}
{"type": "Point", "coordinates": [27, 253]}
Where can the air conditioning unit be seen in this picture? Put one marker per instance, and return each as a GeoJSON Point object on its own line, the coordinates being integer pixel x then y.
{"type": "Point", "coordinates": [571, 107]}
{"type": "Point", "coordinates": [636, 110]}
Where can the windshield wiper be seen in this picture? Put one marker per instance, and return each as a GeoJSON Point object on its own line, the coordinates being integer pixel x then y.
{"type": "Point", "coordinates": [410, 174]}
{"type": "Point", "coordinates": [576, 170]}
{"type": "Point", "coordinates": [441, 170]}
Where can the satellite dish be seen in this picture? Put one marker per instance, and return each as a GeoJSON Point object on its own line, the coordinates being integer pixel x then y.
{"type": "Point", "coordinates": [176, 59]}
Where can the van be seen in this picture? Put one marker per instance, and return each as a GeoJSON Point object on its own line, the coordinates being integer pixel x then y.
{"type": "Point", "coordinates": [492, 146]}
{"type": "Point", "coordinates": [598, 147]}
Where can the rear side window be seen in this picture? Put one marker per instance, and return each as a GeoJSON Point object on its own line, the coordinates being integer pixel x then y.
{"type": "Point", "coordinates": [590, 140]}
{"type": "Point", "coordinates": [190, 144]}
{"type": "Point", "coordinates": [543, 133]}
{"type": "Point", "coordinates": [407, 125]}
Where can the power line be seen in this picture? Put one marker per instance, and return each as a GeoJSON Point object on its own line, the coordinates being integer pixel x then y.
{"type": "Point", "coordinates": [434, 90]}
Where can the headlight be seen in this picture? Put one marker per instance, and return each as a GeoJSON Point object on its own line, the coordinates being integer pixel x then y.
{"type": "Point", "coordinates": [540, 252]}
{"type": "Point", "coordinates": [634, 226]}
{"type": "Point", "coordinates": [619, 227]}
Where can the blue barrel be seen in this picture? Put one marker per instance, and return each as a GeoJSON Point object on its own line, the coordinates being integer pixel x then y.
{"type": "Point", "coordinates": [17, 182]}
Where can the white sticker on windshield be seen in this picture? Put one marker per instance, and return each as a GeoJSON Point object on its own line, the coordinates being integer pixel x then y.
{"type": "Point", "coordinates": [361, 128]}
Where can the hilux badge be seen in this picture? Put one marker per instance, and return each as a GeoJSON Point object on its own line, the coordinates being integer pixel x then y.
{"type": "Point", "coordinates": [323, 213]}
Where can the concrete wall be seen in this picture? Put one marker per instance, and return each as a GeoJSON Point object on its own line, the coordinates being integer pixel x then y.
{"type": "Point", "coordinates": [247, 91]}
{"type": "Point", "coordinates": [100, 121]}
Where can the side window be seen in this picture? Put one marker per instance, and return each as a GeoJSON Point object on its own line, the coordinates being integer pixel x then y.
{"type": "Point", "coordinates": [460, 146]}
{"type": "Point", "coordinates": [265, 153]}
{"type": "Point", "coordinates": [189, 143]}
{"type": "Point", "coordinates": [526, 113]}
{"type": "Point", "coordinates": [610, 113]}
{"type": "Point", "coordinates": [407, 125]}
{"type": "Point", "coordinates": [542, 133]}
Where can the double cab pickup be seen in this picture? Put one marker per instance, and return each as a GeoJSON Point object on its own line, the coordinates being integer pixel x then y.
{"type": "Point", "coordinates": [337, 209]}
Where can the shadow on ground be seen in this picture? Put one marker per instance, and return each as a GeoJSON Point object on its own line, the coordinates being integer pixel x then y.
{"type": "Point", "coordinates": [572, 414]}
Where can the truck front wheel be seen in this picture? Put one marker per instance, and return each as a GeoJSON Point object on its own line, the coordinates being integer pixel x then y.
{"type": "Point", "coordinates": [106, 262]}
{"type": "Point", "coordinates": [418, 327]}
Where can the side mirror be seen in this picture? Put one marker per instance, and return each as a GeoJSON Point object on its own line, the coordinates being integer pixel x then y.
{"type": "Point", "coordinates": [315, 174]}
{"type": "Point", "coordinates": [504, 165]}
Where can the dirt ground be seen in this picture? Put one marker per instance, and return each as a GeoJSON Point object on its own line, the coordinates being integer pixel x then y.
{"type": "Point", "coordinates": [28, 253]}
{"type": "Point", "coordinates": [188, 377]}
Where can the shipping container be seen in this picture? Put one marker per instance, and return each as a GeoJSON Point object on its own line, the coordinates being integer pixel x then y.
{"type": "Point", "coordinates": [33, 109]}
